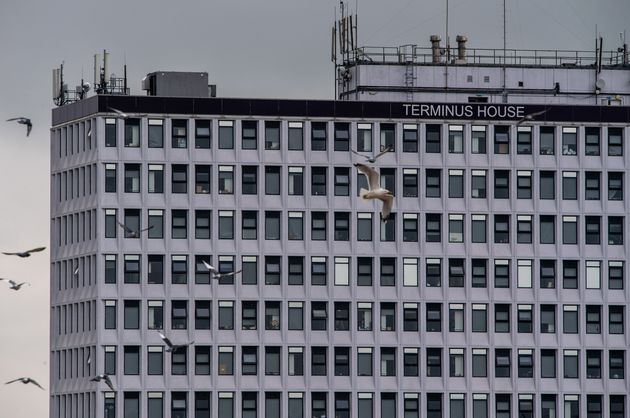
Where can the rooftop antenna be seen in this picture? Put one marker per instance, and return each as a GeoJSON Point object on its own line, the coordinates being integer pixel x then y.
{"type": "Point", "coordinates": [447, 50]}
{"type": "Point", "coordinates": [504, 95]}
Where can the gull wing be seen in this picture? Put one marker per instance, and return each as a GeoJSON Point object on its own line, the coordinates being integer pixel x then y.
{"type": "Point", "coordinates": [358, 153]}
{"type": "Point", "coordinates": [125, 227]}
{"type": "Point", "coordinates": [119, 112]}
{"type": "Point", "coordinates": [208, 266]}
{"type": "Point", "coordinates": [165, 339]}
{"type": "Point", "coordinates": [29, 126]}
{"type": "Point", "coordinates": [372, 175]}
{"type": "Point", "coordinates": [109, 383]}
{"type": "Point", "coordinates": [36, 250]}
{"type": "Point", "coordinates": [228, 274]}
{"type": "Point", "coordinates": [10, 253]}
{"type": "Point", "coordinates": [147, 228]}
{"type": "Point", "coordinates": [385, 151]}
{"type": "Point", "coordinates": [33, 381]}
{"type": "Point", "coordinates": [388, 202]}
{"type": "Point", "coordinates": [13, 119]}
{"type": "Point", "coordinates": [13, 381]}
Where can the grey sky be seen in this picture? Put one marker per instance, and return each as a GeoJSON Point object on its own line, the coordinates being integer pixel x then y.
{"type": "Point", "coordinates": [270, 48]}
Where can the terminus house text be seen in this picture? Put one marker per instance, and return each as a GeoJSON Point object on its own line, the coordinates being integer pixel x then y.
{"type": "Point", "coordinates": [464, 111]}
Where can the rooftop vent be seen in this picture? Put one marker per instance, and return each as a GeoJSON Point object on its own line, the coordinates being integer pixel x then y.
{"type": "Point", "coordinates": [178, 84]}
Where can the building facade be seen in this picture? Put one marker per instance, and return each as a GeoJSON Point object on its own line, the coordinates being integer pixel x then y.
{"type": "Point", "coordinates": [498, 287]}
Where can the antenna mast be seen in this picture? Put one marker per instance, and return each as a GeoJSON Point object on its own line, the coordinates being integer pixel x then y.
{"type": "Point", "coordinates": [505, 96]}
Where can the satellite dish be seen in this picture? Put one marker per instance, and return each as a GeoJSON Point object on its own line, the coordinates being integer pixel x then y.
{"type": "Point", "coordinates": [600, 83]}
{"type": "Point", "coordinates": [85, 87]}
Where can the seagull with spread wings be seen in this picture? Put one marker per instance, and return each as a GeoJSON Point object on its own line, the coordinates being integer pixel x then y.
{"type": "Point", "coordinates": [170, 347]}
{"type": "Point", "coordinates": [25, 254]}
{"type": "Point", "coordinates": [105, 378]}
{"type": "Point", "coordinates": [130, 233]}
{"type": "Point", "coordinates": [23, 121]}
{"type": "Point", "coordinates": [372, 159]}
{"type": "Point", "coordinates": [13, 285]}
{"type": "Point", "coordinates": [375, 190]}
{"type": "Point", "coordinates": [215, 273]}
{"type": "Point", "coordinates": [26, 381]}
{"type": "Point", "coordinates": [530, 117]}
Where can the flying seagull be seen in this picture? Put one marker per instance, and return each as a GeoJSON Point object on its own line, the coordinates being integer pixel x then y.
{"type": "Point", "coordinates": [25, 254]}
{"type": "Point", "coordinates": [23, 121]}
{"type": "Point", "coordinates": [121, 113]}
{"type": "Point", "coordinates": [215, 273]}
{"type": "Point", "coordinates": [14, 285]}
{"type": "Point", "coordinates": [132, 233]}
{"type": "Point", "coordinates": [376, 191]}
{"type": "Point", "coordinates": [171, 348]}
{"type": "Point", "coordinates": [106, 378]}
{"type": "Point", "coordinates": [373, 158]}
{"type": "Point", "coordinates": [75, 273]}
{"type": "Point", "coordinates": [531, 116]}
{"type": "Point", "coordinates": [26, 380]}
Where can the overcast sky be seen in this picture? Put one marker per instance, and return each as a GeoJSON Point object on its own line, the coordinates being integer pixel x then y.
{"type": "Point", "coordinates": [270, 48]}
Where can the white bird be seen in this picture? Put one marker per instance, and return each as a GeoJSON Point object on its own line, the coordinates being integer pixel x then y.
{"type": "Point", "coordinates": [373, 158]}
{"type": "Point", "coordinates": [14, 285]}
{"type": "Point", "coordinates": [215, 273]}
{"type": "Point", "coordinates": [25, 254]}
{"type": "Point", "coordinates": [173, 347]}
{"type": "Point", "coordinates": [132, 233]}
{"type": "Point", "coordinates": [75, 273]}
{"type": "Point", "coordinates": [26, 381]}
{"type": "Point", "coordinates": [123, 114]}
{"type": "Point", "coordinates": [104, 377]}
{"type": "Point", "coordinates": [23, 121]}
{"type": "Point", "coordinates": [530, 117]}
{"type": "Point", "coordinates": [376, 191]}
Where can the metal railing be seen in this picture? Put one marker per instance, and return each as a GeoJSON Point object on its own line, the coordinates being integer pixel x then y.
{"type": "Point", "coordinates": [406, 54]}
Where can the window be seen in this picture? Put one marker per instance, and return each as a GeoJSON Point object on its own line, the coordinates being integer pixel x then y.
{"type": "Point", "coordinates": [501, 318]}
{"type": "Point", "coordinates": [132, 132]}
{"type": "Point", "coordinates": [525, 363]}
{"type": "Point", "coordinates": [569, 274]}
{"type": "Point", "coordinates": [547, 363]}
{"type": "Point", "coordinates": [179, 362]}
{"type": "Point", "coordinates": [617, 406]}
{"type": "Point", "coordinates": [155, 223]}
{"type": "Point", "coordinates": [226, 134]}
{"type": "Point", "coordinates": [388, 229]}
{"type": "Point", "coordinates": [318, 361]}
{"type": "Point", "coordinates": [110, 132]}
{"type": "Point", "coordinates": [342, 405]}
{"type": "Point", "coordinates": [616, 364]}
{"type": "Point", "coordinates": [202, 314]}
{"type": "Point", "coordinates": [226, 224]}
{"type": "Point", "coordinates": [569, 141]}
{"type": "Point", "coordinates": [179, 269]}
{"type": "Point", "coordinates": [272, 270]}
{"type": "Point", "coordinates": [410, 317]}
{"type": "Point", "coordinates": [250, 134]}
{"type": "Point", "coordinates": [179, 133]}
{"type": "Point", "coordinates": [110, 268]}
{"type": "Point", "coordinates": [410, 362]}
{"type": "Point", "coordinates": [110, 223]}
{"type": "Point", "coordinates": [296, 136]}
{"type": "Point", "coordinates": [202, 224]}
{"type": "Point", "coordinates": [547, 185]}
{"type": "Point", "coordinates": [132, 268]}
{"type": "Point", "coordinates": [226, 405]}
{"type": "Point", "coordinates": [501, 229]}
{"type": "Point", "coordinates": [388, 271]}
{"type": "Point", "coordinates": [479, 362]}
{"type": "Point", "coordinates": [547, 140]}
{"type": "Point", "coordinates": [296, 361]}
{"type": "Point", "coordinates": [478, 228]}
{"type": "Point", "coordinates": [433, 182]}
{"type": "Point", "coordinates": [434, 272]}
{"type": "Point", "coordinates": [318, 271]}
{"type": "Point", "coordinates": [455, 183]}
{"type": "Point", "coordinates": [364, 226]}
{"type": "Point", "coordinates": [592, 140]}
{"type": "Point", "coordinates": [179, 178]}
{"type": "Point", "coordinates": [110, 178]}
{"type": "Point", "coordinates": [615, 319]}
{"type": "Point", "coordinates": [569, 185]}
{"type": "Point", "coordinates": [434, 362]}
{"type": "Point", "coordinates": [342, 136]}
{"type": "Point", "coordinates": [593, 275]}
{"type": "Point", "coordinates": [479, 318]}
{"type": "Point", "coordinates": [296, 270]}
{"type": "Point", "coordinates": [615, 230]}
{"type": "Point", "coordinates": [249, 366]}
{"type": "Point", "coordinates": [524, 140]}
{"type": "Point", "coordinates": [434, 405]}
{"type": "Point", "coordinates": [155, 314]}
{"type": "Point", "coordinates": [342, 361]}
{"type": "Point", "coordinates": [156, 133]}
{"type": "Point", "coordinates": [342, 226]}
{"type": "Point", "coordinates": [479, 272]}
{"type": "Point", "coordinates": [388, 316]}
{"type": "Point", "coordinates": [364, 137]}
{"type": "Point", "coordinates": [364, 271]}
{"type": "Point", "coordinates": [272, 361]}
{"type": "Point", "coordinates": [296, 181]}
{"type": "Point", "coordinates": [410, 137]}
{"type": "Point", "coordinates": [501, 184]}
{"type": "Point", "coordinates": [131, 404]}
{"type": "Point", "coordinates": [319, 406]}
{"type": "Point", "coordinates": [226, 315]}
{"type": "Point", "coordinates": [249, 180]}
{"type": "Point", "coordinates": [615, 275]}
{"type": "Point", "coordinates": [593, 319]}
{"type": "Point", "coordinates": [110, 314]}
{"type": "Point", "coordinates": [226, 361]}
{"type": "Point", "coordinates": [318, 181]}
{"type": "Point", "coordinates": [593, 364]}
{"type": "Point", "coordinates": [501, 139]}
{"type": "Point", "coordinates": [478, 184]}
{"type": "Point", "coordinates": [593, 406]}
{"type": "Point", "coordinates": [202, 134]}
{"type": "Point", "coordinates": [523, 184]}
{"type": "Point", "coordinates": [615, 185]}
{"type": "Point", "coordinates": [524, 229]}
{"type": "Point", "coordinates": [615, 142]}
{"type": "Point", "coordinates": [456, 362]}
{"type": "Point", "coordinates": [155, 268]}
{"type": "Point", "coordinates": [456, 272]}
{"type": "Point", "coordinates": [342, 181]}
{"type": "Point", "coordinates": [501, 273]}
{"type": "Point", "coordinates": [388, 361]}
{"type": "Point", "coordinates": [364, 316]}
{"type": "Point", "coordinates": [547, 319]}
{"type": "Point", "coordinates": [433, 227]}
{"type": "Point", "coordinates": [570, 319]}
{"type": "Point", "coordinates": [410, 182]}
{"type": "Point", "coordinates": [319, 316]}
{"type": "Point", "coordinates": [202, 179]}
{"type": "Point", "coordinates": [524, 319]}
{"type": "Point", "coordinates": [592, 185]}
{"type": "Point", "coordinates": [272, 135]}
{"type": "Point", "coordinates": [131, 313]}
{"type": "Point", "coordinates": [272, 316]}
{"type": "Point", "coordinates": [249, 315]}
{"type": "Point", "coordinates": [318, 136]}
{"type": "Point", "coordinates": [250, 405]}
{"type": "Point", "coordinates": [455, 139]}
{"type": "Point", "coordinates": [156, 178]}
{"type": "Point", "coordinates": [502, 363]}
{"type": "Point", "coordinates": [318, 226]}
{"type": "Point", "coordinates": [433, 139]}
{"type": "Point", "coordinates": [569, 230]}
{"type": "Point", "coordinates": [155, 360]}
{"type": "Point", "coordinates": [478, 140]}
{"type": "Point", "coordinates": [342, 268]}
{"type": "Point", "coordinates": [388, 136]}
{"type": "Point", "coordinates": [296, 226]}
{"type": "Point", "coordinates": [547, 229]}
{"type": "Point", "coordinates": [434, 317]}
{"type": "Point", "coordinates": [272, 180]}
{"type": "Point", "coordinates": [410, 227]}
{"type": "Point", "coordinates": [202, 405]}
{"type": "Point", "coordinates": [131, 359]}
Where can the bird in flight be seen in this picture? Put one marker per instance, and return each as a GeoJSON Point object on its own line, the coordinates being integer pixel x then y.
{"type": "Point", "coordinates": [26, 381]}
{"type": "Point", "coordinates": [373, 158]}
{"type": "Point", "coordinates": [130, 233]}
{"type": "Point", "coordinates": [215, 273]}
{"type": "Point", "coordinates": [104, 377]}
{"type": "Point", "coordinates": [123, 114]}
{"type": "Point", "coordinates": [170, 347]}
{"type": "Point", "coordinates": [23, 121]}
{"type": "Point", "coordinates": [375, 190]}
{"type": "Point", "coordinates": [13, 285]}
{"type": "Point", "coordinates": [531, 116]}
{"type": "Point", "coordinates": [25, 254]}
